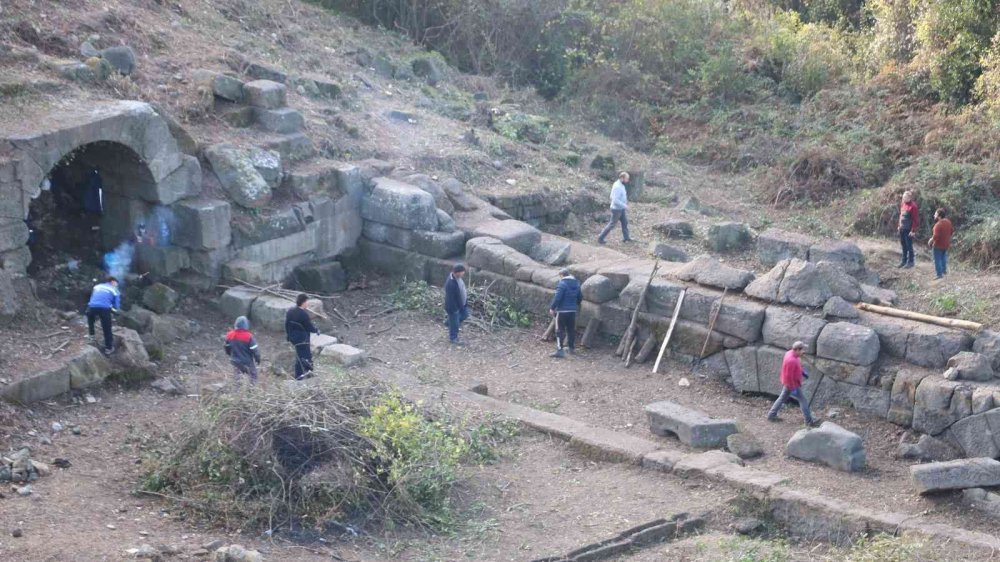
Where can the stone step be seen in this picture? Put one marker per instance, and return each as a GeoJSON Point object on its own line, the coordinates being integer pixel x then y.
{"type": "Point", "coordinates": [314, 177]}
{"type": "Point", "coordinates": [295, 147]}
{"type": "Point", "coordinates": [690, 426]}
{"type": "Point", "coordinates": [284, 121]}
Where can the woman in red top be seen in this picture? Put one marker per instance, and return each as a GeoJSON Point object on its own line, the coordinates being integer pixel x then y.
{"type": "Point", "coordinates": [909, 220]}
{"type": "Point", "coordinates": [940, 241]}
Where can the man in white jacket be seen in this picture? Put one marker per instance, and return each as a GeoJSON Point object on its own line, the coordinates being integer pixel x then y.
{"type": "Point", "coordinates": [619, 203]}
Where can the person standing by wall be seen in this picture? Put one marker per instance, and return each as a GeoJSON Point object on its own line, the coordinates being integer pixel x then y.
{"type": "Point", "coordinates": [241, 347]}
{"type": "Point", "coordinates": [940, 241]}
{"type": "Point", "coordinates": [456, 302]}
{"type": "Point", "coordinates": [298, 329]}
{"type": "Point", "coordinates": [619, 206]}
{"type": "Point", "coordinates": [104, 299]}
{"type": "Point", "coordinates": [792, 375]}
{"type": "Point", "coordinates": [909, 221]}
{"type": "Point", "coordinates": [564, 307]}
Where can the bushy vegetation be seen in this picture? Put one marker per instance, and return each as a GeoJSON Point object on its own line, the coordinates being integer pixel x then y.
{"type": "Point", "coordinates": [339, 453]}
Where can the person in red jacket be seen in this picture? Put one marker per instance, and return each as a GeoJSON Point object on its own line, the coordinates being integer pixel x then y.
{"type": "Point", "coordinates": [241, 347]}
{"type": "Point", "coordinates": [940, 241]}
{"type": "Point", "coordinates": [792, 375]}
{"type": "Point", "coordinates": [909, 221]}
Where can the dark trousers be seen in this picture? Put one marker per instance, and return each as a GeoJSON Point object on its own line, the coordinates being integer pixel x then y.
{"type": "Point", "coordinates": [248, 369]}
{"type": "Point", "coordinates": [617, 215]}
{"type": "Point", "coordinates": [566, 330]}
{"type": "Point", "coordinates": [303, 359]}
{"type": "Point", "coordinates": [906, 242]}
{"type": "Point", "coordinates": [455, 319]}
{"type": "Point", "coordinates": [105, 315]}
{"type": "Point", "coordinates": [940, 262]}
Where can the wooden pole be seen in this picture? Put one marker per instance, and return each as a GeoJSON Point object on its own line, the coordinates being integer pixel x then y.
{"type": "Point", "coordinates": [647, 349]}
{"type": "Point", "coordinates": [547, 335]}
{"type": "Point", "coordinates": [670, 331]}
{"type": "Point", "coordinates": [630, 333]}
{"type": "Point", "coordinates": [593, 327]}
{"type": "Point", "coordinates": [711, 323]}
{"type": "Point", "coordinates": [898, 313]}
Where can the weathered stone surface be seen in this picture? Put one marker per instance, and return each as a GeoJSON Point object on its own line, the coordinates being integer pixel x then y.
{"type": "Point", "coordinates": [829, 391]}
{"type": "Point", "coordinates": [238, 176]}
{"type": "Point", "coordinates": [268, 312]}
{"type": "Point", "coordinates": [493, 255]}
{"type": "Point", "coordinates": [938, 403]}
{"type": "Point", "coordinates": [844, 372]}
{"type": "Point", "coordinates": [877, 295]}
{"type": "Point", "coordinates": [846, 255]}
{"type": "Point", "coordinates": [667, 252]}
{"type": "Point", "coordinates": [955, 475]}
{"type": "Point", "coordinates": [728, 236]}
{"type": "Point", "coordinates": [394, 260]}
{"type": "Point", "coordinates": [837, 307]}
{"type": "Point", "coordinates": [399, 204]}
{"type": "Point", "coordinates": [327, 277]}
{"type": "Point", "coordinates": [785, 326]}
{"type": "Point", "coordinates": [969, 366]}
{"type": "Point", "coordinates": [706, 270]}
{"type": "Point", "coordinates": [458, 195]}
{"type": "Point", "coordinates": [599, 289]}
{"type": "Point", "coordinates": [228, 87]}
{"type": "Point", "coordinates": [831, 445]}
{"type": "Point", "coordinates": [841, 283]}
{"type": "Point", "coordinates": [766, 286]}
{"type": "Point", "coordinates": [988, 344]}
{"type": "Point", "coordinates": [701, 464]}
{"type": "Point", "coordinates": [284, 121]}
{"type": "Point", "coordinates": [927, 449]}
{"type": "Point", "coordinates": [850, 343]}
{"type": "Point", "coordinates": [130, 351]}
{"type": "Point", "coordinates": [426, 183]}
{"type": "Point", "coordinates": [803, 285]}
{"type": "Point", "coordinates": [775, 245]}
{"type": "Point", "coordinates": [982, 500]}
{"type": "Point", "coordinates": [690, 426]}
{"type": "Point", "coordinates": [551, 252]}
{"type": "Point", "coordinates": [744, 446]}
{"type": "Point", "coordinates": [932, 346]}
{"type": "Point", "coordinates": [675, 229]}
{"type": "Point", "coordinates": [236, 302]}
{"type": "Point", "coordinates": [121, 58]}
{"type": "Point", "coordinates": [974, 435]}
{"type": "Point", "coordinates": [9, 302]}
{"type": "Point", "coordinates": [740, 318]}
{"type": "Point", "coordinates": [202, 224]}
{"type": "Point", "coordinates": [343, 355]}
{"type": "Point", "coordinates": [159, 298]}
{"type": "Point", "coordinates": [438, 244]}
{"type": "Point", "coordinates": [168, 385]}
{"type": "Point", "coordinates": [162, 261]}
{"type": "Point", "coordinates": [265, 94]}
{"type": "Point", "coordinates": [904, 392]}
{"type": "Point", "coordinates": [445, 222]}
{"type": "Point", "coordinates": [293, 148]}
{"type": "Point", "coordinates": [715, 365]}
{"type": "Point", "coordinates": [769, 360]}
{"type": "Point", "coordinates": [136, 318]}
{"type": "Point", "coordinates": [743, 368]}
{"type": "Point", "coordinates": [268, 165]}
{"type": "Point", "coordinates": [518, 235]}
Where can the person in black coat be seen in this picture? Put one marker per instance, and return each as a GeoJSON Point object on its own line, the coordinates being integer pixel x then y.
{"type": "Point", "coordinates": [456, 300]}
{"type": "Point", "coordinates": [298, 329]}
{"type": "Point", "coordinates": [564, 307]}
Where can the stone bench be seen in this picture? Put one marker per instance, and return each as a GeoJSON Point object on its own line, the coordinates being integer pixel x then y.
{"type": "Point", "coordinates": [690, 426]}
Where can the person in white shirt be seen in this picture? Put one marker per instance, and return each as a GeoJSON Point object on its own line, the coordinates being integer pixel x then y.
{"type": "Point", "coordinates": [619, 203]}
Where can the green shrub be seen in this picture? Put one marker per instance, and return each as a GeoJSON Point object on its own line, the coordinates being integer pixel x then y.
{"type": "Point", "coordinates": [721, 76]}
{"type": "Point", "coordinates": [804, 58]}
{"type": "Point", "coordinates": [892, 39]}
{"type": "Point", "coordinates": [952, 36]}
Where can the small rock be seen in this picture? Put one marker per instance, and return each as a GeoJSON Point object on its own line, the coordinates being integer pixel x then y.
{"type": "Point", "coordinates": [214, 545]}
{"type": "Point", "coordinates": [146, 552]}
{"type": "Point", "coordinates": [16, 532]}
{"type": "Point", "coordinates": [684, 382]}
{"type": "Point", "coordinates": [44, 440]}
{"type": "Point", "coordinates": [75, 430]}
{"type": "Point", "coordinates": [201, 552]}
{"type": "Point", "coordinates": [61, 463]}
{"type": "Point", "coordinates": [41, 468]}
{"type": "Point", "coordinates": [112, 527]}
{"type": "Point", "coordinates": [24, 490]}
{"type": "Point", "coordinates": [57, 427]}
{"type": "Point", "coordinates": [747, 525]}
{"type": "Point", "coordinates": [121, 57]}
{"type": "Point", "coordinates": [837, 307]}
{"type": "Point", "coordinates": [89, 398]}
{"type": "Point", "coordinates": [668, 252]}
{"type": "Point", "coordinates": [744, 446]}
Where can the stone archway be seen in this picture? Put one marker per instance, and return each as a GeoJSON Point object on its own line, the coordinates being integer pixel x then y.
{"type": "Point", "coordinates": [126, 140]}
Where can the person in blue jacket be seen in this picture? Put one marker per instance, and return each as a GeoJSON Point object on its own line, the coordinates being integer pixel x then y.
{"type": "Point", "coordinates": [104, 299]}
{"type": "Point", "coordinates": [456, 302]}
{"type": "Point", "coordinates": [564, 307]}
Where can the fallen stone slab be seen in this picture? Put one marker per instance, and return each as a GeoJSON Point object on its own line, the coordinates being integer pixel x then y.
{"type": "Point", "coordinates": [831, 445]}
{"type": "Point", "coordinates": [702, 463]}
{"type": "Point", "coordinates": [343, 355]}
{"type": "Point", "coordinates": [319, 342]}
{"type": "Point", "coordinates": [268, 312]}
{"type": "Point", "coordinates": [236, 302]}
{"type": "Point", "coordinates": [690, 426]}
{"type": "Point", "coordinates": [401, 205]}
{"type": "Point", "coordinates": [728, 236]}
{"type": "Point", "coordinates": [706, 270]}
{"type": "Point", "coordinates": [955, 475]}
{"type": "Point", "coordinates": [518, 235]}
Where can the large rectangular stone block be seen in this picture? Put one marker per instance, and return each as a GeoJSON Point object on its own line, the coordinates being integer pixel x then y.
{"type": "Point", "coordinates": [161, 261]}
{"type": "Point", "coordinates": [203, 224]}
{"type": "Point", "coordinates": [690, 426]}
{"type": "Point", "coordinates": [183, 182]}
{"type": "Point", "coordinates": [955, 475]}
{"type": "Point", "coordinates": [392, 260]}
{"type": "Point", "coordinates": [784, 326]}
{"type": "Point", "coordinates": [774, 245]}
{"type": "Point", "coordinates": [438, 244]}
{"type": "Point", "coordinates": [278, 249]}
{"type": "Point", "coordinates": [399, 204]}
{"type": "Point", "coordinates": [518, 235]}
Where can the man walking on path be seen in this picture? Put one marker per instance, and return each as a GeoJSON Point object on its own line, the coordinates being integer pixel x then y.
{"type": "Point", "coordinates": [619, 204]}
{"type": "Point", "coordinates": [104, 299]}
{"type": "Point", "coordinates": [241, 347]}
{"type": "Point", "coordinates": [940, 241]}
{"type": "Point", "coordinates": [456, 301]}
{"type": "Point", "coordinates": [565, 304]}
{"type": "Point", "coordinates": [909, 221]}
{"type": "Point", "coordinates": [298, 329]}
{"type": "Point", "coordinates": [792, 375]}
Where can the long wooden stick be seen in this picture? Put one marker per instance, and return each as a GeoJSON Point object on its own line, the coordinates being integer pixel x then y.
{"type": "Point", "coordinates": [647, 348]}
{"type": "Point", "coordinates": [670, 331]}
{"type": "Point", "coordinates": [711, 323]}
{"type": "Point", "coordinates": [909, 315]}
{"type": "Point", "coordinates": [631, 331]}
{"type": "Point", "coordinates": [547, 334]}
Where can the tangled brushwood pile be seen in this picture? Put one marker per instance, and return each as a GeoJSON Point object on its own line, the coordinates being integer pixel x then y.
{"type": "Point", "coordinates": [487, 308]}
{"type": "Point", "coordinates": [336, 455]}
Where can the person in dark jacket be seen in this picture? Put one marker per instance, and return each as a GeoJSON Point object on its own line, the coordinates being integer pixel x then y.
{"type": "Point", "coordinates": [564, 307]}
{"type": "Point", "coordinates": [909, 222]}
{"type": "Point", "coordinates": [241, 347]}
{"type": "Point", "coordinates": [298, 329]}
{"type": "Point", "coordinates": [104, 299]}
{"type": "Point", "coordinates": [456, 301]}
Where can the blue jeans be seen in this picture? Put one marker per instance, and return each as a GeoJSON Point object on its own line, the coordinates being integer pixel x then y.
{"type": "Point", "coordinates": [455, 320]}
{"type": "Point", "coordinates": [906, 242]}
{"type": "Point", "coordinates": [940, 262]}
{"type": "Point", "coordinates": [617, 215]}
{"type": "Point", "coordinates": [798, 395]}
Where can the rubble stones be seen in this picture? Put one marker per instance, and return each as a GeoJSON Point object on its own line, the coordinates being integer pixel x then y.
{"type": "Point", "coordinates": [667, 252]}
{"type": "Point", "coordinates": [690, 426]}
{"type": "Point", "coordinates": [238, 176]}
{"type": "Point", "coordinates": [728, 236]}
{"type": "Point", "coordinates": [159, 298]}
{"type": "Point", "coordinates": [398, 204]}
{"type": "Point", "coordinates": [775, 245]}
{"type": "Point", "coordinates": [831, 445]}
{"type": "Point", "coordinates": [955, 475]}
{"type": "Point", "coordinates": [927, 449]}
{"type": "Point", "coordinates": [850, 343]}
{"type": "Point", "coordinates": [969, 366]}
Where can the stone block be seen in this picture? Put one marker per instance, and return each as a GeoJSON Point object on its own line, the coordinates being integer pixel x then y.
{"type": "Point", "coordinates": [850, 343]}
{"type": "Point", "coordinates": [202, 224]}
{"type": "Point", "coordinates": [342, 355]}
{"type": "Point", "coordinates": [831, 445]}
{"type": "Point", "coordinates": [394, 261]}
{"type": "Point", "coordinates": [955, 475]}
{"type": "Point", "coordinates": [238, 176]}
{"type": "Point", "coordinates": [327, 277]}
{"type": "Point", "coordinates": [784, 326]}
{"type": "Point", "coordinates": [438, 244]}
{"type": "Point", "coordinates": [744, 446]}
{"type": "Point", "coordinates": [690, 426]}
{"type": "Point", "coordinates": [268, 165]}
{"type": "Point", "coordinates": [740, 318]}
{"type": "Point", "coordinates": [702, 464]}
{"type": "Point", "coordinates": [13, 234]}
{"type": "Point", "coordinates": [427, 183]}
{"type": "Point", "coordinates": [766, 287]}
{"type": "Point", "coordinates": [161, 261]}
{"type": "Point", "coordinates": [728, 236]}
{"type": "Point", "coordinates": [775, 245]}
{"type": "Point", "coordinates": [283, 121]}
{"type": "Point", "coordinates": [518, 235]}
{"type": "Point", "coordinates": [838, 308]}
{"type": "Point", "coordinates": [293, 148]}
{"type": "Point", "coordinates": [88, 368]}
{"type": "Point", "coordinates": [828, 391]}
{"type": "Point", "coordinates": [841, 283]}
{"type": "Point", "coordinates": [550, 252]}
{"type": "Point", "coordinates": [844, 372]}
{"type": "Point", "coordinates": [938, 403]}
{"type": "Point", "coordinates": [667, 252]}
{"type": "Point", "coordinates": [459, 196]}
{"type": "Point", "coordinates": [931, 346]}
{"type": "Point", "coordinates": [209, 263]}
{"type": "Point", "coordinates": [237, 302]}
{"type": "Point", "coordinates": [267, 312]}
{"type": "Point", "coordinates": [847, 255]}
{"type": "Point", "coordinates": [228, 88]}
{"type": "Point", "coordinates": [987, 343]}
{"type": "Point", "coordinates": [318, 342]}
{"type": "Point", "coordinates": [136, 318]}
{"type": "Point", "coordinates": [160, 298]}
{"type": "Point", "coordinates": [969, 366]}
{"type": "Point", "coordinates": [928, 449]}
{"type": "Point", "coordinates": [743, 368]}
{"type": "Point", "coordinates": [974, 435]}
{"type": "Point", "coordinates": [265, 94]}
{"type": "Point", "coordinates": [675, 229]}
{"type": "Point", "coordinates": [769, 360]}
{"type": "Point", "coordinates": [599, 289]}
{"type": "Point", "coordinates": [183, 182]}
{"type": "Point", "coordinates": [302, 243]}
{"type": "Point", "coordinates": [803, 285]}
{"type": "Point", "coordinates": [40, 386]}
{"type": "Point", "coordinates": [401, 205]}
{"type": "Point", "coordinates": [706, 270]}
